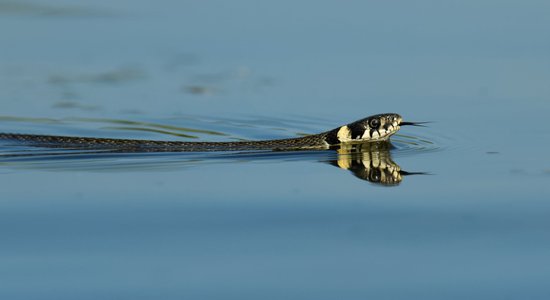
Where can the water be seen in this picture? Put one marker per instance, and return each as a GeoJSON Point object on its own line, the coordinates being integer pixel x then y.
{"type": "Point", "coordinates": [275, 225]}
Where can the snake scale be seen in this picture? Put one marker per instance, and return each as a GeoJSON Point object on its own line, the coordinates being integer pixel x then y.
{"type": "Point", "coordinates": [370, 129]}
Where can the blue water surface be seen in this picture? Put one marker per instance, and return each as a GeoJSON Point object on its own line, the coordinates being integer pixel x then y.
{"type": "Point", "coordinates": [297, 225]}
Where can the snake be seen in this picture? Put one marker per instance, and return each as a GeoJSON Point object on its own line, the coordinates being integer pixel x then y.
{"type": "Point", "coordinates": [375, 128]}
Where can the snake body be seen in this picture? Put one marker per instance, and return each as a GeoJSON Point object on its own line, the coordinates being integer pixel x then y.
{"type": "Point", "coordinates": [374, 128]}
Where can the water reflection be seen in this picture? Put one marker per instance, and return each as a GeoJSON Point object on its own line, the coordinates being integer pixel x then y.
{"type": "Point", "coordinates": [371, 162]}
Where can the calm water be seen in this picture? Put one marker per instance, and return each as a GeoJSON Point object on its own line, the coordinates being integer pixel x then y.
{"type": "Point", "coordinates": [298, 225]}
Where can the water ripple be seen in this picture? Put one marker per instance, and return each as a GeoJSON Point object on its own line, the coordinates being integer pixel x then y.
{"type": "Point", "coordinates": [406, 145]}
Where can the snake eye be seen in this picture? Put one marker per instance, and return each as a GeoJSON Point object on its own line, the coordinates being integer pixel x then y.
{"type": "Point", "coordinates": [375, 175]}
{"type": "Point", "coordinates": [374, 123]}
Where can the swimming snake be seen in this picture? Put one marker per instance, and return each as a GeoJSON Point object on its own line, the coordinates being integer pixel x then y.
{"type": "Point", "coordinates": [370, 129]}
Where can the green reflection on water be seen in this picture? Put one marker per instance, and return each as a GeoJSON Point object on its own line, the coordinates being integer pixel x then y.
{"type": "Point", "coordinates": [133, 125]}
{"type": "Point", "coordinates": [144, 129]}
{"type": "Point", "coordinates": [30, 120]}
{"type": "Point", "coordinates": [43, 10]}
{"type": "Point", "coordinates": [148, 124]}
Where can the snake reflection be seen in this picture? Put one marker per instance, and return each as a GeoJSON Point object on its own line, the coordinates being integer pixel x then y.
{"type": "Point", "coordinates": [371, 162]}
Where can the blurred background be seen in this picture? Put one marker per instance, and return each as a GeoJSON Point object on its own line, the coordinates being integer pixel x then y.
{"type": "Point", "coordinates": [262, 58]}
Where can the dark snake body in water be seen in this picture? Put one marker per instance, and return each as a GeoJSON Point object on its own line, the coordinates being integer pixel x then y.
{"type": "Point", "coordinates": [367, 134]}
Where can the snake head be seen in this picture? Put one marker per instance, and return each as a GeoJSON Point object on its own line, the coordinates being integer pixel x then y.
{"type": "Point", "coordinates": [374, 128]}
